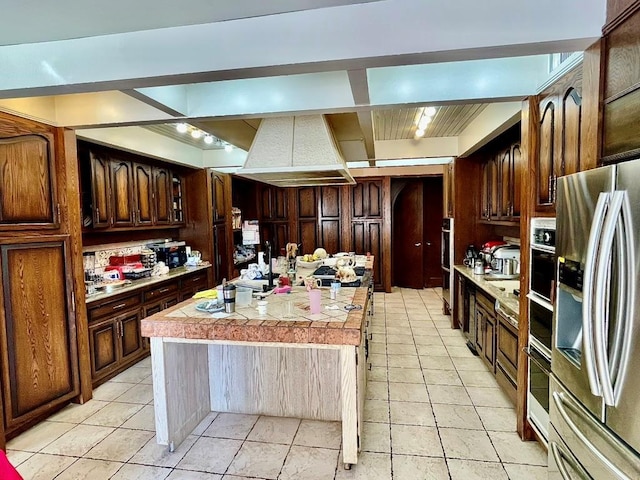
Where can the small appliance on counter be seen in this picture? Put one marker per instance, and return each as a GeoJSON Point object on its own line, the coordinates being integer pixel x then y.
{"type": "Point", "coordinates": [173, 254]}
{"type": "Point", "coordinates": [488, 248]}
{"type": "Point", "coordinates": [506, 260]}
{"type": "Point", "coordinates": [470, 256]}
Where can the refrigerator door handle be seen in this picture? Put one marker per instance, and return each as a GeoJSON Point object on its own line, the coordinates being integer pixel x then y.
{"type": "Point", "coordinates": [561, 456]}
{"type": "Point", "coordinates": [624, 326]}
{"type": "Point", "coordinates": [588, 293]}
{"type": "Point", "coordinates": [602, 293]}
{"type": "Point", "coordinates": [562, 404]}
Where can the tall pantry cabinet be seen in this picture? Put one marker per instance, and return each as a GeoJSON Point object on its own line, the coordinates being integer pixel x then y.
{"type": "Point", "coordinates": [40, 366]}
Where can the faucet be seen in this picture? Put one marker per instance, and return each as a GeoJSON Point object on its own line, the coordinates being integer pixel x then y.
{"type": "Point", "coordinates": [270, 285]}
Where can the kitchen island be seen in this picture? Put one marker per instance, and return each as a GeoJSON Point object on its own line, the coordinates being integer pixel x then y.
{"type": "Point", "coordinates": [288, 362]}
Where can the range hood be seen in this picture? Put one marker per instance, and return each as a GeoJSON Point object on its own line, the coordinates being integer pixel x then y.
{"type": "Point", "coordinates": [295, 152]}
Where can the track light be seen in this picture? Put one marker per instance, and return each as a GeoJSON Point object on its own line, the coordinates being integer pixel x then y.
{"type": "Point", "coordinates": [182, 127]}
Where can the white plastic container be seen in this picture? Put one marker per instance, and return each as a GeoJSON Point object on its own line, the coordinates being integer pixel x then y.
{"type": "Point", "coordinates": [243, 296]}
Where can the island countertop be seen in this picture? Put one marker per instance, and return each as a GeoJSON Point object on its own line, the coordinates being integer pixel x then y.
{"type": "Point", "coordinates": [334, 325]}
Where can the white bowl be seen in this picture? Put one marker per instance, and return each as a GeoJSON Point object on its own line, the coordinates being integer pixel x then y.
{"type": "Point", "coordinates": [302, 264]}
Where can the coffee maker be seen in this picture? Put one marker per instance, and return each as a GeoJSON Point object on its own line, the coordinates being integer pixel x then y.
{"type": "Point", "coordinates": [470, 255]}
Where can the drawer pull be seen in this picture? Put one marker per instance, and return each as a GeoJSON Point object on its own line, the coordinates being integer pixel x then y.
{"type": "Point", "coordinates": [162, 290]}
{"type": "Point", "coordinates": [119, 306]}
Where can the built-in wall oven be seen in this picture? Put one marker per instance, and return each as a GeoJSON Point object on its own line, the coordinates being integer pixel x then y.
{"type": "Point", "coordinates": [447, 262]}
{"type": "Point", "coordinates": [542, 283]}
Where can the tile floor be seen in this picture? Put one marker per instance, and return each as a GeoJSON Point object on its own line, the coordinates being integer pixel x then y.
{"type": "Point", "coordinates": [432, 412]}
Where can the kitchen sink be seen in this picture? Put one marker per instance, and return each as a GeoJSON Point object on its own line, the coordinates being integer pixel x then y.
{"type": "Point", "coordinates": [506, 285]}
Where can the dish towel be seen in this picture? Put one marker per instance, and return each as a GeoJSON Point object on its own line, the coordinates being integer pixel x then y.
{"type": "Point", "coordinates": [7, 472]}
{"type": "Point", "coordinates": [212, 293]}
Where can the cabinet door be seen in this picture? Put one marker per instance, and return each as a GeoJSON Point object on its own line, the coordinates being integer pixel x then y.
{"type": "Point", "coordinates": [329, 219]}
{"type": "Point", "coordinates": [162, 200]}
{"type": "Point", "coordinates": [307, 235]}
{"type": "Point", "coordinates": [27, 186]}
{"type": "Point", "coordinates": [177, 200]}
{"type": "Point", "coordinates": [490, 341]}
{"type": "Point", "coordinates": [494, 192]}
{"type": "Point", "coordinates": [366, 236]}
{"type": "Point", "coordinates": [480, 328]}
{"type": "Point", "coordinates": [517, 167]}
{"type": "Point", "coordinates": [546, 147]}
{"type": "Point", "coordinates": [307, 205]}
{"type": "Point", "coordinates": [266, 197]}
{"type": "Point", "coordinates": [100, 190]}
{"type": "Point", "coordinates": [280, 238]}
{"type": "Point", "coordinates": [221, 262]}
{"type": "Point", "coordinates": [507, 348]}
{"type": "Point", "coordinates": [130, 339]}
{"type": "Point", "coordinates": [374, 198]}
{"type": "Point", "coordinates": [485, 192]}
{"type": "Point", "coordinates": [506, 185]}
{"type": "Point", "coordinates": [571, 120]}
{"type": "Point", "coordinates": [447, 179]}
{"type": "Point", "coordinates": [280, 204]}
{"type": "Point", "coordinates": [217, 196]}
{"type": "Point", "coordinates": [143, 194]}
{"type": "Point", "coordinates": [122, 193]}
{"type": "Point", "coordinates": [103, 348]}
{"type": "Point", "coordinates": [38, 355]}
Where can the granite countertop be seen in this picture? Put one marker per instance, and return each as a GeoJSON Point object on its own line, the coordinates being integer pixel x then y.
{"type": "Point", "coordinates": [501, 290]}
{"type": "Point", "coordinates": [333, 326]}
{"type": "Point", "coordinates": [145, 282]}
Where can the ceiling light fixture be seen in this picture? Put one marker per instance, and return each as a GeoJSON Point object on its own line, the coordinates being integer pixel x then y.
{"type": "Point", "coordinates": [208, 139]}
{"type": "Point", "coordinates": [228, 148]}
{"type": "Point", "coordinates": [195, 133]}
{"type": "Point", "coordinates": [182, 127]}
{"type": "Point", "coordinates": [424, 120]}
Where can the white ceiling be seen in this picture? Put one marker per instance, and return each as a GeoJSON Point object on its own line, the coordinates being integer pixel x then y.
{"type": "Point", "coordinates": [91, 64]}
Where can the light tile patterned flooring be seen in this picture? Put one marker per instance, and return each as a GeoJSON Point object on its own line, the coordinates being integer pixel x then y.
{"type": "Point", "coordinates": [432, 412]}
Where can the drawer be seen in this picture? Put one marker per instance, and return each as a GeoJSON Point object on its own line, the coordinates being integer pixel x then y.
{"type": "Point", "coordinates": [485, 301]}
{"type": "Point", "coordinates": [161, 290]}
{"type": "Point", "coordinates": [197, 279]}
{"type": "Point", "coordinates": [113, 307]}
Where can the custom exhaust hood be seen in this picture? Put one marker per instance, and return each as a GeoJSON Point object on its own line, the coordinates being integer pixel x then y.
{"type": "Point", "coordinates": [294, 152]}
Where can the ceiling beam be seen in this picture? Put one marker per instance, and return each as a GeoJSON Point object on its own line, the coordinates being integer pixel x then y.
{"type": "Point", "coordinates": [366, 125]}
{"type": "Point", "coordinates": [359, 86]}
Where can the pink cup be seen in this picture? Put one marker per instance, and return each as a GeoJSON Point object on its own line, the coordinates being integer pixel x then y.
{"type": "Point", "coordinates": [314, 300]}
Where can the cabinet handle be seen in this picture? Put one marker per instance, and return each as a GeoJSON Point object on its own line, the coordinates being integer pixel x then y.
{"type": "Point", "coordinates": [119, 306]}
{"type": "Point", "coordinates": [97, 215]}
{"type": "Point", "coordinates": [59, 215]}
{"type": "Point", "coordinates": [117, 329]}
{"type": "Point", "coordinates": [162, 290]}
{"type": "Point", "coordinates": [553, 192]}
{"type": "Point", "coordinates": [121, 329]}
{"type": "Point", "coordinates": [550, 188]}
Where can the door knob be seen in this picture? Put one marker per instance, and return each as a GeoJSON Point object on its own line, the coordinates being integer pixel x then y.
{"type": "Point", "coordinates": [418, 244]}
{"type": "Point", "coordinates": [428, 244]}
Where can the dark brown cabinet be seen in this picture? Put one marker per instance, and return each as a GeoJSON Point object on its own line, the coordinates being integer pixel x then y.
{"type": "Point", "coordinates": [366, 199]}
{"type": "Point", "coordinates": [560, 119]}
{"type": "Point", "coordinates": [329, 219]}
{"type": "Point", "coordinates": [502, 185]}
{"type": "Point", "coordinates": [189, 285]}
{"type": "Point", "coordinates": [120, 193]}
{"type": "Point", "coordinates": [27, 181]}
{"type": "Point", "coordinates": [220, 253]}
{"type": "Point", "coordinates": [114, 343]}
{"type": "Point", "coordinates": [39, 360]}
{"type": "Point", "coordinates": [307, 219]}
{"type": "Point", "coordinates": [218, 197]}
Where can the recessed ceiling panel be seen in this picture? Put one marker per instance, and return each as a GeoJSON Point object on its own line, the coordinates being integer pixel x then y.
{"type": "Point", "coordinates": [30, 22]}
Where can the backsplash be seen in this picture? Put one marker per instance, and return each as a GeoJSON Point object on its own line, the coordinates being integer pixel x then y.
{"type": "Point", "coordinates": [104, 251]}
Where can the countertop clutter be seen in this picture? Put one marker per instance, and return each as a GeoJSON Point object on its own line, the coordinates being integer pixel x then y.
{"type": "Point", "coordinates": [501, 290]}
{"type": "Point", "coordinates": [145, 282]}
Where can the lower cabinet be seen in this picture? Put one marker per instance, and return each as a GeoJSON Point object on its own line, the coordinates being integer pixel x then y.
{"type": "Point", "coordinates": [486, 329]}
{"type": "Point", "coordinates": [115, 341]}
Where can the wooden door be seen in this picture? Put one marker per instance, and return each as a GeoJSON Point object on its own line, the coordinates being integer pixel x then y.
{"type": "Point", "coordinates": [221, 261]}
{"type": "Point", "coordinates": [122, 189]}
{"type": "Point", "coordinates": [27, 186]}
{"type": "Point", "coordinates": [130, 343]}
{"type": "Point", "coordinates": [517, 168]}
{"type": "Point", "coordinates": [546, 151]}
{"type": "Point", "coordinates": [103, 348]}
{"type": "Point", "coordinates": [101, 190]}
{"type": "Point", "coordinates": [571, 121]}
{"type": "Point", "coordinates": [217, 196]}
{"type": "Point", "coordinates": [408, 231]}
{"type": "Point", "coordinates": [143, 194]}
{"type": "Point", "coordinates": [162, 200]}
{"type": "Point", "coordinates": [39, 360]}
{"type": "Point", "coordinates": [432, 233]}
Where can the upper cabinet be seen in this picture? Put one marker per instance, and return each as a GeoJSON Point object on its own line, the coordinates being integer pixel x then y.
{"type": "Point", "coordinates": [501, 181]}
{"type": "Point", "coordinates": [119, 192]}
{"type": "Point", "coordinates": [558, 149]}
{"type": "Point", "coordinates": [366, 199]}
{"type": "Point", "coordinates": [622, 87]}
{"type": "Point", "coordinates": [28, 198]}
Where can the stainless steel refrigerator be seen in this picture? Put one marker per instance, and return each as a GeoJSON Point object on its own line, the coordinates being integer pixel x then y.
{"type": "Point", "coordinates": [595, 358]}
